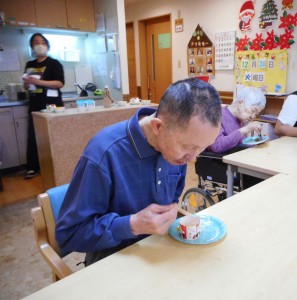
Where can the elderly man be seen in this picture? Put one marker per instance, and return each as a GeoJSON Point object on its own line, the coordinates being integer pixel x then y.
{"type": "Point", "coordinates": [129, 178]}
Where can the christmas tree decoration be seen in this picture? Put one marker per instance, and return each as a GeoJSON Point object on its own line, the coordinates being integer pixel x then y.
{"type": "Point", "coordinates": [246, 14]}
{"type": "Point", "coordinates": [269, 13]}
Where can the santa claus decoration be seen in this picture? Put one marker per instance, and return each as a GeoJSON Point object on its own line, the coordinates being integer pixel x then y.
{"type": "Point", "coordinates": [247, 12]}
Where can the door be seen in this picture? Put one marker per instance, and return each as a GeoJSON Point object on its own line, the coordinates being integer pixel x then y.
{"type": "Point", "coordinates": [131, 60]}
{"type": "Point", "coordinates": [158, 57]}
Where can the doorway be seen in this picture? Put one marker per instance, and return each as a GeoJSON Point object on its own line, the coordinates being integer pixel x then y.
{"type": "Point", "coordinates": [155, 57]}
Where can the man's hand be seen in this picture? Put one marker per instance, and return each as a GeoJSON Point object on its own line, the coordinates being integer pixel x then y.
{"type": "Point", "coordinates": [154, 219]}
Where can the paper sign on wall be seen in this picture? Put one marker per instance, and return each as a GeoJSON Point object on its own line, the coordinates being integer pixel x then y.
{"type": "Point", "coordinates": [264, 69]}
{"type": "Point", "coordinates": [9, 60]}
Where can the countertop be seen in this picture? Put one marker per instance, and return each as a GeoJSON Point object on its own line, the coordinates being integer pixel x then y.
{"type": "Point", "coordinates": [13, 103]}
{"type": "Point", "coordinates": [99, 108]}
{"type": "Point", "coordinates": [66, 97]}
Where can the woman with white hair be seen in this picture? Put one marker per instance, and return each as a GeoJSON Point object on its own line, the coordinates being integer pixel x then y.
{"type": "Point", "coordinates": [238, 119]}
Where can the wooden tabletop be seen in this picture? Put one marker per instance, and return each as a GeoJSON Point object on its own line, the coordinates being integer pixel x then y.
{"type": "Point", "coordinates": [272, 157]}
{"type": "Point", "coordinates": [256, 260]}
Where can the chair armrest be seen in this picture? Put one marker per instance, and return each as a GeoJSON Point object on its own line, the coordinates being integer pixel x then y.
{"type": "Point", "coordinates": [59, 267]}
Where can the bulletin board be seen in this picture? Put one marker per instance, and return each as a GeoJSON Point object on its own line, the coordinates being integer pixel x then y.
{"type": "Point", "coordinates": [200, 54]}
{"type": "Point", "coordinates": [201, 61]}
{"type": "Point", "coordinates": [266, 69]}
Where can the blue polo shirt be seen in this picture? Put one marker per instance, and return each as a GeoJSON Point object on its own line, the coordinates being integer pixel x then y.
{"type": "Point", "coordinates": [118, 175]}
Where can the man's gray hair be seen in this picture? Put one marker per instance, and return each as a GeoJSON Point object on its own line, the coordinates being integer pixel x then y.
{"type": "Point", "coordinates": [190, 97]}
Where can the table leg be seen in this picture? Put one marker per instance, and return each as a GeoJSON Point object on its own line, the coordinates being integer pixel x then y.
{"type": "Point", "coordinates": [230, 181]}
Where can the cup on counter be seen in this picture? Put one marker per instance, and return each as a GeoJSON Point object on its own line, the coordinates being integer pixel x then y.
{"type": "Point", "coordinates": [91, 104]}
{"type": "Point", "coordinates": [85, 105]}
{"type": "Point", "coordinates": [190, 227]}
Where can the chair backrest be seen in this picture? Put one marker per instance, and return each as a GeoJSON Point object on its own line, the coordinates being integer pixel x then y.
{"type": "Point", "coordinates": [51, 202]}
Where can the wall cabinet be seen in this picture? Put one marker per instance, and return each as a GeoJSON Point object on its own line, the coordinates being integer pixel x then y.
{"type": "Point", "coordinates": [70, 14]}
{"type": "Point", "coordinates": [19, 12]}
{"type": "Point", "coordinates": [80, 14]}
{"type": "Point", "coordinates": [13, 133]}
{"type": "Point", "coordinates": [51, 14]}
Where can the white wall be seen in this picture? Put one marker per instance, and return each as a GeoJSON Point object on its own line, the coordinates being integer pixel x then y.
{"type": "Point", "coordinates": [213, 16]}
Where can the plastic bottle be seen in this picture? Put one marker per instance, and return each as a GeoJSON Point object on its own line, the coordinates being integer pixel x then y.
{"type": "Point", "coordinates": [106, 98]}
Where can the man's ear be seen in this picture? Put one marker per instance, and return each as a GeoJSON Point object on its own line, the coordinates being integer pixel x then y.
{"type": "Point", "coordinates": [156, 125]}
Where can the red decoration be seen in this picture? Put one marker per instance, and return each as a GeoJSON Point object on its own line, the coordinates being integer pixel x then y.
{"type": "Point", "coordinates": [258, 43]}
{"type": "Point", "coordinates": [288, 21]}
{"type": "Point", "coordinates": [270, 42]}
{"type": "Point", "coordinates": [246, 13]}
{"type": "Point", "coordinates": [287, 3]}
{"type": "Point", "coordinates": [284, 41]}
{"type": "Point", "coordinates": [242, 44]}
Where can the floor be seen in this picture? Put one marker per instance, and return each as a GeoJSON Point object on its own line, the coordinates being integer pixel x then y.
{"type": "Point", "coordinates": [23, 270]}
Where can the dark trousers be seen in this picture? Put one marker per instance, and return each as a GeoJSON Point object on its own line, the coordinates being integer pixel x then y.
{"type": "Point", "coordinates": [32, 153]}
{"type": "Point", "coordinates": [92, 257]}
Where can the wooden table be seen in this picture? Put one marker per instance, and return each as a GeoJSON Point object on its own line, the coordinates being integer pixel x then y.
{"type": "Point", "coordinates": [264, 160]}
{"type": "Point", "coordinates": [256, 260]}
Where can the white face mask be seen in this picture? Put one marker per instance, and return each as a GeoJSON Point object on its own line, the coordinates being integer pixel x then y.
{"type": "Point", "coordinates": [40, 50]}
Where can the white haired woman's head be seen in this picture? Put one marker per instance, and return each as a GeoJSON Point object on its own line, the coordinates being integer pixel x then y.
{"type": "Point", "coordinates": [251, 96]}
{"type": "Point", "coordinates": [248, 104]}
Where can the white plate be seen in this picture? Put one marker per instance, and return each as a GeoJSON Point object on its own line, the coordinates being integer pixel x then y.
{"type": "Point", "coordinates": [252, 141]}
{"type": "Point", "coordinates": [46, 111]}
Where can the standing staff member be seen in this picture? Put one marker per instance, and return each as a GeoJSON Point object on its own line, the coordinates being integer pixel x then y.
{"type": "Point", "coordinates": [44, 77]}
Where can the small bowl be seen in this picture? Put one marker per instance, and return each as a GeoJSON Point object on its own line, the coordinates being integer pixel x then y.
{"type": "Point", "coordinates": [60, 109]}
{"type": "Point", "coordinates": [122, 103]}
{"type": "Point", "coordinates": [145, 102]}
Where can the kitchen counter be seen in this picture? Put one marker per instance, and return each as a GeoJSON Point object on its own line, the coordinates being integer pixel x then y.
{"type": "Point", "coordinates": [66, 97]}
{"type": "Point", "coordinates": [13, 103]}
{"type": "Point", "coordinates": [62, 137]}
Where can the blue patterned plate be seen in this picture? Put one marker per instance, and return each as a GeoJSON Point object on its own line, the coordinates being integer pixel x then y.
{"type": "Point", "coordinates": [212, 230]}
{"type": "Point", "coordinates": [255, 140]}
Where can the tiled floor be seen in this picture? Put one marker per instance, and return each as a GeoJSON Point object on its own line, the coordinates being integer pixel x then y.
{"type": "Point", "coordinates": [23, 270]}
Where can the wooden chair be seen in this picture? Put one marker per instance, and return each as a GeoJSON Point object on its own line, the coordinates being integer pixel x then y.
{"type": "Point", "coordinates": [44, 219]}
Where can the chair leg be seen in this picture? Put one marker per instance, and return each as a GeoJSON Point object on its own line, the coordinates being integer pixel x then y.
{"type": "Point", "coordinates": [1, 182]}
{"type": "Point", "coordinates": [55, 277]}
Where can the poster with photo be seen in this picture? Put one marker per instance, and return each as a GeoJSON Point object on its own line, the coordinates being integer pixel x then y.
{"type": "Point", "coordinates": [225, 49]}
{"type": "Point", "coordinates": [200, 54]}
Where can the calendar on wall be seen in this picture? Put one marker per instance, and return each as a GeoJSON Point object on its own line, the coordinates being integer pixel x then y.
{"type": "Point", "coordinates": [266, 69]}
{"type": "Point", "coordinates": [225, 49]}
